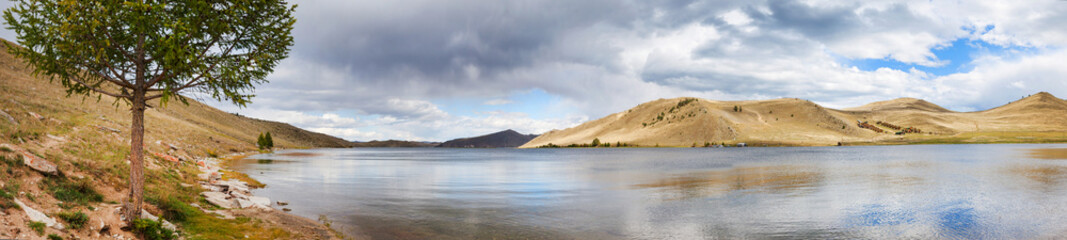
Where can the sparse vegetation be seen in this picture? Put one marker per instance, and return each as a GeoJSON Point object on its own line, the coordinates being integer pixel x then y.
{"type": "Point", "coordinates": [38, 227]}
{"type": "Point", "coordinates": [151, 230]}
{"type": "Point", "coordinates": [76, 220]}
{"type": "Point", "coordinates": [80, 191]}
{"type": "Point", "coordinates": [54, 237]}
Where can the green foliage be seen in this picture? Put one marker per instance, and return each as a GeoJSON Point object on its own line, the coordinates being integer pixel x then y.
{"type": "Point", "coordinates": [7, 196]}
{"type": "Point", "coordinates": [37, 227]}
{"type": "Point", "coordinates": [5, 149]}
{"type": "Point", "coordinates": [77, 191]}
{"type": "Point", "coordinates": [75, 220]}
{"type": "Point", "coordinates": [596, 142]}
{"type": "Point", "coordinates": [269, 140]}
{"type": "Point", "coordinates": [175, 210]}
{"type": "Point", "coordinates": [220, 48]}
{"type": "Point", "coordinates": [735, 108]}
{"type": "Point", "coordinates": [707, 144]}
{"type": "Point", "coordinates": [151, 230]}
{"type": "Point", "coordinates": [54, 237]}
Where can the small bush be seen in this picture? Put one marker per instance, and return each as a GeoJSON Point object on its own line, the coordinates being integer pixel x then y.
{"type": "Point", "coordinates": [175, 210]}
{"type": "Point", "coordinates": [7, 196]}
{"type": "Point", "coordinates": [37, 227]}
{"type": "Point", "coordinates": [212, 153]}
{"type": "Point", "coordinates": [151, 230]}
{"type": "Point", "coordinates": [54, 237]}
{"type": "Point", "coordinates": [79, 191]}
{"type": "Point", "coordinates": [76, 220]}
{"type": "Point", "coordinates": [6, 149]}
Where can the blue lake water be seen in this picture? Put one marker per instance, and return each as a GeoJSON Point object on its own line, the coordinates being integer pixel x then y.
{"type": "Point", "coordinates": [881, 192]}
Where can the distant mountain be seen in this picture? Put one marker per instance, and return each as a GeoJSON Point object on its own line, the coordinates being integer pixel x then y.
{"type": "Point", "coordinates": [393, 143]}
{"type": "Point", "coordinates": [503, 139]}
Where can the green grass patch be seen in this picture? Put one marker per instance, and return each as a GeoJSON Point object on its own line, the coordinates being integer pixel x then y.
{"type": "Point", "coordinates": [37, 227]}
{"type": "Point", "coordinates": [151, 230]}
{"type": "Point", "coordinates": [76, 220]}
{"type": "Point", "coordinates": [78, 191]}
{"type": "Point", "coordinates": [54, 237]}
{"type": "Point", "coordinates": [7, 195]}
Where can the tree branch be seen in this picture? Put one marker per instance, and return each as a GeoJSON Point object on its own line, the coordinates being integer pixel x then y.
{"type": "Point", "coordinates": [95, 89]}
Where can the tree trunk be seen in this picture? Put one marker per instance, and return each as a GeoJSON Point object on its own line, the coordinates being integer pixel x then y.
{"type": "Point", "coordinates": [136, 198]}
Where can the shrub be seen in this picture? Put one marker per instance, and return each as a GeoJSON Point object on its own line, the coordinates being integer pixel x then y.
{"type": "Point", "coordinates": [79, 191]}
{"type": "Point", "coordinates": [76, 220]}
{"type": "Point", "coordinates": [212, 153]}
{"type": "Point", "coordinates": [37, 227]}
{"type": "Point", "coordinates": [151, 230]}
{"type": "Point", "coordinates": [5, 149]}
{"type": "Point", "coordinates": [596, 142]}
{"type": "Point", "coordinates": [175, 210]}
{"type": "Point", "coordinates": [54, 237]}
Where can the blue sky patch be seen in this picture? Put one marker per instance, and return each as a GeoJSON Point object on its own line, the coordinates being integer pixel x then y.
{"type": "Point", "coordinates": [958, 57]}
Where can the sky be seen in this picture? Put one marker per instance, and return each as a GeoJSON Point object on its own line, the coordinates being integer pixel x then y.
{"type": "Point", "coordinates": [434, 70]}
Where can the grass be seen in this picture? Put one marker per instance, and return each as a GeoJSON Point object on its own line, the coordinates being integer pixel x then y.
{"type": "Point", "coordinates": [151, 230]}
{"type": "Point", "coordinates": [37, 227]}
{"type": "Point", "coordinates": [76, 220]}
{"type": "Point", "coordinates": [80, 191]}
{"type": "Point", "coordinates": [54, 237]}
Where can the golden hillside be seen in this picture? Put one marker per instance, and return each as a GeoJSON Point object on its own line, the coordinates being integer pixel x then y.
{"type": "Point", "coordinates": [190, 125]}
{"type": "Point", "coordinates": [794, 122]}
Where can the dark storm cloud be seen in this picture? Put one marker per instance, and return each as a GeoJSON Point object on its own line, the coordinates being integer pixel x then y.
{"type": "Point", "coordinates": [440, 38]}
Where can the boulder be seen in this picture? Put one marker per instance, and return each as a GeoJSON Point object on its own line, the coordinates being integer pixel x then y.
{"type": "Point", "coordinates": [38, 216]}
{"type": "Point", "coordinates": [219, 199]}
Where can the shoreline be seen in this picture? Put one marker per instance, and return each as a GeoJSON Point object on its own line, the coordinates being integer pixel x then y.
{"type": "Point", "coordinates": [275, 217]}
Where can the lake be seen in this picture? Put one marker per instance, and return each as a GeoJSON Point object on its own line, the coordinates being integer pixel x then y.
{"type": "Point", "coordinates": [883, 192]}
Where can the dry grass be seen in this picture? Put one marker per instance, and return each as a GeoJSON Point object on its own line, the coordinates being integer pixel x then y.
{"type": "Point", "coordinates": [795, 122]}
{"type": "Point", "coordinates": [77, 134]}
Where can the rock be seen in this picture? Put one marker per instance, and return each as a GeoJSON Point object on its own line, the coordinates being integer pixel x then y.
{"type": "Point", "coordinates": [38, 216]}
{"type": "Point", "coordinates": [167, 225]}
{"type": "Point", "coordinates": [33, 161]}
{"type": "Point", "coordinates": [35, 115]}
{"type": "Point", "coordinates": [286, 209]}
{"type": "Point", "coordinates": [9, 118]}
{"type": "Point", "coordinates": [185, 185]}
{"type": "Point", "coordinates": [234, 185]}
{"type": "Point", "coordinates": [243, 203]}
{"type": "Point", "coordinates": [280, 203]}
{"type": "Point", "coordinates": [103, 128]}
{"type": "Point", "coordinates": [261, 202]}
{"type": "Point", "coordinates": [219, 199]}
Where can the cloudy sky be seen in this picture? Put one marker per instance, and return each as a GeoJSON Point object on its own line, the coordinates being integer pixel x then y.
{"type": "Point", "coordinates": [433, 70]}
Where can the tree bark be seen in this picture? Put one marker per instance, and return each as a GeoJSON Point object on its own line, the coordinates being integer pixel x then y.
{"type": "Point", "coordinates": [136, 198]}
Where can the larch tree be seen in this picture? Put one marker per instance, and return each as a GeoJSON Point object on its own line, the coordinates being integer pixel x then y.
{"type": "Point", "coordinates": [138, 51]}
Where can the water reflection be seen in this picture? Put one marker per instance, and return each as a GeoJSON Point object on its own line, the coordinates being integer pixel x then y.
{"type": "Point", "coordinates": [888, 192]}
{"type": "Point", "coordinates": [1047, 153]}
{"type": "Point", "coordinates": [783, 179]}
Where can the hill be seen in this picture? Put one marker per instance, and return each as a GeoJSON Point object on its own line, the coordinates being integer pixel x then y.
{"type": "Point", "coordinates": [87, 138]}
{"type": "Point", "coordinates": [393, 143]}
{"type": "Point", "coordinates": [684, 122]}
{"type": "Point", "coordinates": [503, 139]}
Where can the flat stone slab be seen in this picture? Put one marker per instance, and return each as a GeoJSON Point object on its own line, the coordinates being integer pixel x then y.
{"type": "Point", "coordinates": [219, 199]}
{"type": "Point", "coordinates": [34, 162]}
{"type": "Point", "coordinates": [38, 216]}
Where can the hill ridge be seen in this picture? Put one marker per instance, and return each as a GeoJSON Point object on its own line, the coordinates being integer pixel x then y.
{"type": "Point", "coordinates": [688, 121]}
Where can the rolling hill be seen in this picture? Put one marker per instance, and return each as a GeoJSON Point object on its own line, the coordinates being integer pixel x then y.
{"type": "Point", "coordinates": [503, 139]}
{"type": "Point", "coordinates": [793, 122]}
